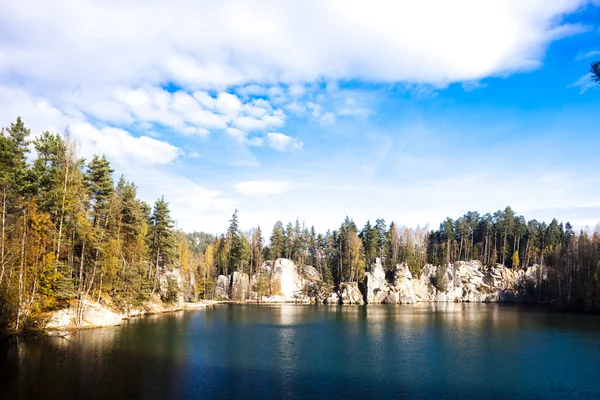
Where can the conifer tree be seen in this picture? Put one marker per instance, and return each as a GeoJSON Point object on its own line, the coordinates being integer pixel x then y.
{"type": "Point", "coordinates": [161, 240]}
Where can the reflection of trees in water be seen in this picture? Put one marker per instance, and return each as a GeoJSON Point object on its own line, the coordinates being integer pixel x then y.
{"type": "Point", "coordinates": [241, 351]}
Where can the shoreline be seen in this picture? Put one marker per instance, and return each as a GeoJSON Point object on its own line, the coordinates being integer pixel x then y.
{"type": "Point", "coordinates": [66, 330]}
{"type": "Point", "coordinates": [148, 309]}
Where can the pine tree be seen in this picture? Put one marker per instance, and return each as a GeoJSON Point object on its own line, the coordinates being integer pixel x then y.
{"type": "Point", "coordinates": [595, 71]}
{"type": "Point", "coordinates": [236, 250]}
{"type": "Point", "coordinates": [161, 239]}
{"type": "Point", "coordinates": [277, 241]}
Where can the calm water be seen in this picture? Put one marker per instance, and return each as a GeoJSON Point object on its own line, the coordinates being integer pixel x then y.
{"type": "Point", "coordinates": [300, 352]}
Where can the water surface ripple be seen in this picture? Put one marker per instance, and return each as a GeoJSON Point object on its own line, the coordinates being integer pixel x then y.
{"type": "Point", "coordinates": [291, 351]}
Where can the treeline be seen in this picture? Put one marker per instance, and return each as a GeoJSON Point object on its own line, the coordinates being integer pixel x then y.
{"type": "Point", "coordinates": [571, 260]}
{"type": "Point", "coordinates": [342, 255]}
{"type": "Point", "coordinates": [68, 231]}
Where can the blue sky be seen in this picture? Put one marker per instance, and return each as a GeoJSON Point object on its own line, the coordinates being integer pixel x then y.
{"type": "Point", "coordinates": [318, 110]}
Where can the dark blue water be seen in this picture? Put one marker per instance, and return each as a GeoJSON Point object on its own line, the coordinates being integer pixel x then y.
{"type": "Point", "coordinates": [304, 352]}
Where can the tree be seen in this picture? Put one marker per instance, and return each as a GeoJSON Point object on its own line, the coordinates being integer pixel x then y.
{"type": "Point", "coordinates": [235, 245]}
{"type": "Point", "coordinates": [508, 224]}
{"type": "Point", "coordinates": [369, 236]}
{"type": "Point", "coordinates": [256, 256]}
{"type": "Point", "coordinates": [277, 241]}
{"type": "Point", "coordinates": [595, 71]}
{"type": "Point", "coordinates": [447, 229]}
{"type": "Point", "coordinates": [515, 260]}
{"type": "Point", "coordinates": [161, 240]}
{"type": "Point", "coordinates": [357, 258]}
{"type": "Point", "coordinates": [381, 228]}
{"type": "Point", "coordinates": [393, 242]}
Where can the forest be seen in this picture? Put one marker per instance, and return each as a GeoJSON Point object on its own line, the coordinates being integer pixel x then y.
{"type": "Point", "coordinates": [70, 230]}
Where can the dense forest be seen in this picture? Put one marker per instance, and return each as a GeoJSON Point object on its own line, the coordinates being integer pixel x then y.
{"type": "Point", "coordinates": [69, 231]}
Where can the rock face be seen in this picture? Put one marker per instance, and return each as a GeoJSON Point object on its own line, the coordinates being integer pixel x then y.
{"type": "Point", "coordinates": [222, 288]}
{"type": "Point", "coordinates": [92, 315]}
{"type": "Point", "coordinates": [375, 284]}
{"type": "Point", "coordinates": [350, 294]}
{"type": "Point", "coordinates": [284, 281]}
{"type": "Point", "coordinates": [171, 280]}
{"type": "Point", "coordinates": [399, 290]}
{"type": "Point", "coordinates": [240, 286]}
{"type": "Point", "coordinates": [459, 282]}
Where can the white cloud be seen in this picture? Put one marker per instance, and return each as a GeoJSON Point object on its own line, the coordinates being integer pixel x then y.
{"type": "Point", "coordinates": [122, 148]}
{"type": "Point", "coordinates": [192, 206]}
{"type": "Point", "coordinates": [327, 119]}
{"type": "Point", "coordinates": [226, 43]}
{"type": "Point", "coordinates": [584, 83]}
{"type": "Point", "coordinates": [259, 124]}
{"type": "Point", "coordinates": [228, 104]}
{"type": "Point", "coordinates": [589, 54]}
{"type": "Point", "coordinates": [296, 90]}
{"type": "Point", "coordinates": [469, 86]}
{"type": "Point", "coordinates": [274, 140]}
{"type": "Point", "coordinates": [295, 108]}
{"type": "Point", "coordinates": [98, 66]}
{"type": "Point", "coordinates": [237, 134]}
{"type": "Point", "coordinates": [281, 142]}
{"type": "Point", "coordinates": [262, 188]}
{"type": "Point", "coordinates": [351, 108]}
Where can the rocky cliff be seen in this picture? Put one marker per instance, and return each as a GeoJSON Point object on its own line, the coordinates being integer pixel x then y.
{"type": "Point", "coordinates": [284, 281]}
{"type": "Point", "coordinates": [172, 295]}
{"type": "Point", "coordinates": [278, 281]}
{"type": "Point", "coordinates": [458, 282]}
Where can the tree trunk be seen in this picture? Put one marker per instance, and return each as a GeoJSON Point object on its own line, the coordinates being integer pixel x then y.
{"type": "Point", "coordinates": [527, 252]}
{"type": "Point", "coordinates": [62, 214]}
{"type": "Point", "coordinates": [21, 271]}
{"type": "Point", "coordinates": [504, 243]}
{"type": "Point", "coordinates": [80, 288]}
{"type": "Point", "coordinates": [3, 232]}
{"type": "Point", "coordinates": [156, 272]}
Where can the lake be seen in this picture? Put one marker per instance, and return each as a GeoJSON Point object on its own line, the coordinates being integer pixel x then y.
{"type": "Point", "coordinates": [314, 352]}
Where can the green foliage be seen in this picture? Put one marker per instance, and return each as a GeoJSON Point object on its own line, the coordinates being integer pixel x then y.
{"type": "Point", "coordinates": [172, 290]}
{"type": "Point", "coordinates": [161, 239]}
{"type": "Point", "coordinates": [595, 71]}
{"type": "Point", "coordinates": [68, 231]}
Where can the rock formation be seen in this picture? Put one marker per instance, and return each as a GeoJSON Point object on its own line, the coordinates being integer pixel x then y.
{"type": "Point", "coordinates": [285, 282]}
{"type": "Point", "coordinates": [240, 287]}
{"type": "Point", "coordinates": [350, 294]}
{"type": "Point", "coordinates": [459, 282]}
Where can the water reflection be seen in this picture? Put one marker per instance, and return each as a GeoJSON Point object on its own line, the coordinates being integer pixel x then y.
{"type": "Point", "coordinates": [315, 351]}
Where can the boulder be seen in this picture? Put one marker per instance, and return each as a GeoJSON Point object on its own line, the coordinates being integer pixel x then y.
{"type": "Point", "coordinates": [351, 294]}
{"type": "Point", "coordinates": [222, 288]}
{"type": "Point", "coordinates": [92, 314]}
{"type": "Point", "coordinates": [240, 287]}
{"type": "Point", "coordinates": [310, 273]}
{"type": "Point", "coordinates": [333, 298]}
{"type": "Point", "coordinates": [403, 285]}
{"type": "Point", "coordinates": [374, 282]}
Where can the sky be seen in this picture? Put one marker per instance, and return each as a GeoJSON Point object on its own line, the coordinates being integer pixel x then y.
{"type": "Point", "coordinates": [408, 111]}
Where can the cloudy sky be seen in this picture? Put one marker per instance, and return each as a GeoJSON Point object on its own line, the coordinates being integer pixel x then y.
{"type": "Point", "coordinates": [410, 111]}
